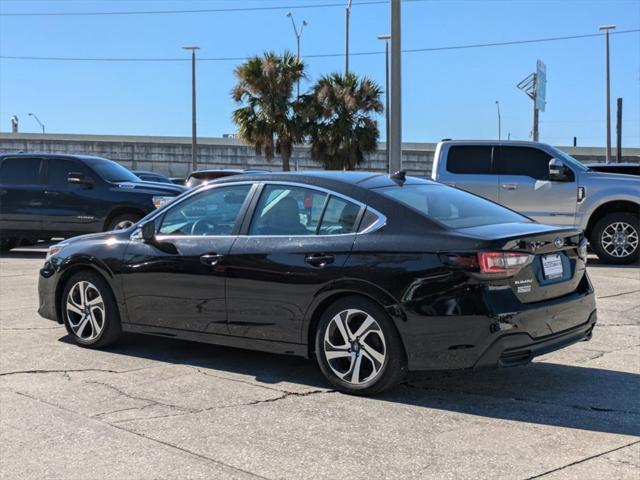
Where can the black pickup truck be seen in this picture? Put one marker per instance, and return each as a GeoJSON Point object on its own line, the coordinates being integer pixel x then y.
{"type": "Point", "coordinates": [50, 195]}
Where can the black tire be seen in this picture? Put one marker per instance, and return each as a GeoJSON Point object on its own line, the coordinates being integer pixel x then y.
{"type": "Point", "coordinates": [601, 241]}
{"type": "Point", "coordinates": [126, 218]}
{"type": "Point", "coordinates": [108, 320]}
{"type": "Point", "coordinates": [389, 373]}
{"type": "Point", "coordinates": [7, 243]}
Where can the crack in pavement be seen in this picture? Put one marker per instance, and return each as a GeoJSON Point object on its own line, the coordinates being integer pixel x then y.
{"type": "Point", "coordinates": [32, 328]}
{"type": "Point", "coordinates": [617, 294]}
{"type": "Point", "coordinates": [132, 432]}
{"type": "Point", "coordinates": [602, 353]}
{"type": "Point", "coordinates": [540, 475]}
{"type": "Point", "coordinates": [525, 400]}
{"type": "Point", "coordinates": [70, 370]}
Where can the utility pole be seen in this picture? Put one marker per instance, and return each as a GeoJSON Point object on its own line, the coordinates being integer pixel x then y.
{"type": "Point", "coordinates": [395, 114]}
{"type": "Point", "coordinates": [499, 120]}
{"type": "Point", "coordinates": [535, 87]}
{"type": "Point", "coordinates": [194, 134]}
{"type": "Point", "coordinates": [386, 39]}
{"type": "Point", "coordinates": [347, 14]}
{"type": "Point", "coordinates": [298, 34]}
{"type": "Point", "coordinates": [606, 29]}
{"type": "Point", "coordinates": [619, 131]}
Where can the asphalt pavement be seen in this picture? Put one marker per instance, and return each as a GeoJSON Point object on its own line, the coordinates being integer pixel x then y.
{"type": "Point", "coordinates": [156, 408]}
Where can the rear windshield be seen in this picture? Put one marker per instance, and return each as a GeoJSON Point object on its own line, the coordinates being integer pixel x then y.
{"type": "Point", "coordinates": [452, 207]}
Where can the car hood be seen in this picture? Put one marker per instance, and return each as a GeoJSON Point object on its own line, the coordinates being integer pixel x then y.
{"type": "Point", "coordinates": [156, 188]}
{"type": "Point", "coordinates": [607, 177]}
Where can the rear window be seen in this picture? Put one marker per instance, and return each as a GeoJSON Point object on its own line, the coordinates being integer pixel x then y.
{"type": "Point", "coordinates": [20, 171]}
{"type": "Point", "coordinates": [452, 207]}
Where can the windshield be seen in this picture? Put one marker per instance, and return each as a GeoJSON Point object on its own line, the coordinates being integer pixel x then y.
{"type": "Point", "coordinates": [452, 207]}
{"type": "Point", "coordinates": [111, 171]}
{"type": "Point", "coordinates": [569, 159]}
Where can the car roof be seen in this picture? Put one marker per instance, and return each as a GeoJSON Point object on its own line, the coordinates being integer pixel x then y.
{"type": "Point", "coordinates": [52, 155]}
{"type": "Point", "coordinates": [506, 143]}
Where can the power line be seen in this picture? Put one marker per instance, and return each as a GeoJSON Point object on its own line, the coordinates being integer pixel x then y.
{"type": "Point", "coordinates": [200, 10]}
{"type": "Point", "coordinates": [317, 55]}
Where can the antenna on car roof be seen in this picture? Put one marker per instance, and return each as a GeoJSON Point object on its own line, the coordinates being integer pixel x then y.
{"type": "Point", "coordinates": [399, 177]}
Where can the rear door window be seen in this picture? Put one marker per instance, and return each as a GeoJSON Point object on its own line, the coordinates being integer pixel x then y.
{"type": "Point", "coordinates": [470, 159]}
{"type": "Point", "coordinates": [526, 161]}
{"type": "Point", "coordinates": [20, 171]}
{"type": "Point", "coordinates": [339, 217]}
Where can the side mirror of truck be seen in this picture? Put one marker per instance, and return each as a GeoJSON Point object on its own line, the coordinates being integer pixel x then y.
{"type": "Point", "coordinates": [558, 171]}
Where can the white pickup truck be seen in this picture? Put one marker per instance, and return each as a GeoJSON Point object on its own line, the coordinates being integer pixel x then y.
{"type": "Point", "coordinates": [548, 186]}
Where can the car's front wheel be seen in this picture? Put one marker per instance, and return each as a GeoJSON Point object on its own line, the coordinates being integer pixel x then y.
{"type": "Point", "coordinates": [358, 347]}
{"type": "Point", "coordinates": [616, 238]}
{"type": "Point", "coordinates": [90, 311]}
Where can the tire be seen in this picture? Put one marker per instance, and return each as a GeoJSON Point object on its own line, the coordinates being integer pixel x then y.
{"type": "Point", "coordinates": [102, 327]}
{"type": "Point", "coordinates": [380, 353]}
{"type": "Point", "coordinates": [7, 244]}
{"type": "Point", "coordinates": [121, 222]}
{"type": "Point", "coordinates": [616, 238]}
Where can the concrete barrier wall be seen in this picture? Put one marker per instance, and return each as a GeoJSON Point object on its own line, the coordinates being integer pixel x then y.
{"type": "Point", "coordinates": [172, 155]}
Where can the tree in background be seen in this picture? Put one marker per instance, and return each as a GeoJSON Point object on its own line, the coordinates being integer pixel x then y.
{"type": "Point", "coordinates": [270, 116]}
{"type": "Point", "coordinates": [340, 120]}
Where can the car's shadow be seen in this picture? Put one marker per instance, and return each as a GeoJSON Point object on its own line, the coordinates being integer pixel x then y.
{"type": "Point", "coordinates": [543, 393]}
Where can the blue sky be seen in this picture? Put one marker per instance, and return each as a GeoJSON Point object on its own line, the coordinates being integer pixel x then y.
{"type": "Point", "coordinates": [445, 93]}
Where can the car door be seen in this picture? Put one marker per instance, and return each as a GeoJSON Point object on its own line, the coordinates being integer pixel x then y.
{"type": "Point", "coordinates": [178, 280]}
{"type": "Point", "coordinates": [470, 168]}
{"type": "Point", "coordinates": [70, 208]}
{"type": "Point", "coordinates": [525, 186]}
{"type": "Point", "coordinates": [297, 241]}
{"type": "Point", "coordinates": [21, 194]}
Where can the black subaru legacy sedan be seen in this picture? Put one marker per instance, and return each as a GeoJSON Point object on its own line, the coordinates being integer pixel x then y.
{"type": "Point", "coordinates": [371, 274]}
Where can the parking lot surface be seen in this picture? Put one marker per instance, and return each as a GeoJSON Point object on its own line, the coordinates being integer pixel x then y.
{"type": "Point", "coordinates": [155, 408]}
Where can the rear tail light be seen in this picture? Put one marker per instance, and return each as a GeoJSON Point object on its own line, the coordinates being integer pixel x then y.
{"type": "Point", "coordinates": [492, 263]}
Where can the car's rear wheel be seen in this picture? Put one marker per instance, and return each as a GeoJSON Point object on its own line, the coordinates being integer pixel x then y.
{"type": "Point", "coordinates": [358, 347]}
{"type": "Point", "coordinates": [616, 238]}
{"type": "Point", "coordinates": [90, 312]}
{"type": "Point", "coordinates": [7, 244]}
{"type": "Point", "coordinates": [124, 221]}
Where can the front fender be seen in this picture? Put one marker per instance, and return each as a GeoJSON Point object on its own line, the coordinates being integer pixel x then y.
{"type": "Point", "coordinates": [602, 196]}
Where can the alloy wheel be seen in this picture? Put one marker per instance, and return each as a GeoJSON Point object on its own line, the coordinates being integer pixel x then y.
{"type": "Point", "coordinates": [123, 224]}
{"type": "Point", "coordinates": [85, 310]}
{"type": "Point", "coordinates": [619, 239]}
{"type": "Point", "coordinates": [355, 347]}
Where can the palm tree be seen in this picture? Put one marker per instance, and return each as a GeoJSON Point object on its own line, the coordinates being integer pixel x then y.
{"type": "Point", "coordinates": [341, 126]}
{"type": "Point", "coordinates": [270, 117]}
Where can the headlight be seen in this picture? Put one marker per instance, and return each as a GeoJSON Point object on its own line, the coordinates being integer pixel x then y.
{"type": "Point", "coordinates": [161, 201]}
{"type": "Point", "coordinates": [55, 249]}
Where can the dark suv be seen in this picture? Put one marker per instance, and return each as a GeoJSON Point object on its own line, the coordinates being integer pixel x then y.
{"type": "Point", "coordinates": [48, 195]}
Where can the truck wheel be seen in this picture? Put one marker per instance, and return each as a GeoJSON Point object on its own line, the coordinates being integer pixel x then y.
{"type": "Point", "coordinates": [123, 221]}
{"type": "Point", "coordinates": [7, 244]}
{"type": "Point", "coordinates": [615, 238]}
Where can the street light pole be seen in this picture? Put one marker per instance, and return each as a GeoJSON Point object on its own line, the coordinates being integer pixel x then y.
{"type": "Point", "coordinates": [346, 50]}
{"type": "Point", "coordinates": [606, 29]}
{"type": "Point", "coordinates": [386, 39]}
{"type": "Point", "coordinates": [37, 120]}
{"type": "Point", "coordinates": [298, 34]}
{"type": "Point", "coordinates": [194, 135]}
{"type": "Point", "coordinates": [395, 117]}
{"type": "Point", "coordinates": [499, 120]}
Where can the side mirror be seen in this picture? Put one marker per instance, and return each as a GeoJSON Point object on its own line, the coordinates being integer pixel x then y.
{"type": "Point", "coordinates": [148, 231]}
{"type": "Point", "coordinates": [79, 178]}
{"type": "Point", "coordinates": [558, 172]}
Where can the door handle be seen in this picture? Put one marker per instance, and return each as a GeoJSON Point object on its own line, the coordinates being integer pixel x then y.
{"type": "Point", "coordinates": [211, 259]}
{"type": "Point", "coordinates": [319, 259]}
{"type": "Point", "coordinates": [510, 186]}
{"type": "Point", "coordinates": [51, 193]}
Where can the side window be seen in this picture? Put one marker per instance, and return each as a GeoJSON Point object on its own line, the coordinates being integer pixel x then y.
{"type": "Point", "coordinates": [59, 170]}
{"type": "Point", "coordinates": [20, 171]}
{"type": "Point", "coordinates": [470, 159]}
{"type": "Point", "coordinates": [287, 210]}
{"type": "Point", "coordinates": [214, 212]}
{"type": "Point", "coordinates": [526, 161]}
{"type": "Point", "coordinates": [339, 217]}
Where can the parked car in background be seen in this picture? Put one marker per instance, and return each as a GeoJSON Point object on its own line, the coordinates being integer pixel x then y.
{"type": "Point", "coordinates": [49, 195]}
{"type": "Point", "coordinates": [626, 168]}
{"type": "Point", "coordinates": [372, 274]}
{"type": "Point", "coordinates": [151, 176]}
{"type": "Point", "coordinates": [202, 176]}
{"type": "Point", "coordinates": [549, 186]}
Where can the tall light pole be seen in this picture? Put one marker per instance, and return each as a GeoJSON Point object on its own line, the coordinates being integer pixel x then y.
{"type": "Point", "coordinates": [395, 117]}
{"type": "Point", "coordinates": [194, 134]}
{"type": "Point", "coordinates": [298, 36]}
{"type": "Point", "coordinates": [386, 39]}
{"type": "Point", "coordinates": [37, 120]}
{"type": "Point", "coordinates": [499, 120]}
{"type": "Point", "coordinates": [347, 14]}
{"type": "Point", "coordinates": [606, 29]}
